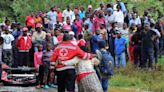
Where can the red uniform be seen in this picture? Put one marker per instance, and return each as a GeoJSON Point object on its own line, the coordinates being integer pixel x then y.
{"type": "Point", "coordinates": [24, 45]}
{"type": "Point", "coordinates": [66, 51]}
{"type": "Point", "coordinates": [81, 42]}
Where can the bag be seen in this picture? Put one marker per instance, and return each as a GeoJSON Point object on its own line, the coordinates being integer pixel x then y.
{"type": "Point", "coordinates": [106, 68]}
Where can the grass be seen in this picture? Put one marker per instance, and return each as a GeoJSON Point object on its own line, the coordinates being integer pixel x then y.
{"type": "Point", "coordinates": [137, 80]}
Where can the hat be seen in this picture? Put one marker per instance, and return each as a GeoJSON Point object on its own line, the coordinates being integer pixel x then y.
{"type": "Point", "coordinates": [110, 9]}
{"type": "Point", "coordinates": [38, 25]}
{"type": "Point", "coordinates": [25, 29]}
{"type": "Point", "coordinates": [89, 6]}
{"type": "Point", "coordinates": [118, 32]}
{"type": "Point", "coordinates": [71, 33]}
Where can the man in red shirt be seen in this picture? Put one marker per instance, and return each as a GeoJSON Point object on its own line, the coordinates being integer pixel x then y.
{"type": "Point", "coordinates": [66, 74]}
{"type": "Point", "coordinates": [24, 44]}
{"type": "Point", "coordinates": [30, 21]}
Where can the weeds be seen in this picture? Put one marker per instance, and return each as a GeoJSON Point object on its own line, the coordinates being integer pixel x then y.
{"type": "Point", "coordinates": [139, 79]}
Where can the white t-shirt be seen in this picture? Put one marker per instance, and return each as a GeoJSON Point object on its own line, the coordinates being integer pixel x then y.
{"type": "Point", "coordinates": [109, 20]}
{"type": "Point", "coordinates": [52, 16]}
{"type": "Point", "coordinates": [118, 16]}
{"type": "Point", "coordinates": [69, 14]}
{"type": "Point", "coordinates": [25, 39]}
{"type": "Point", "coordinates": [55, 40]}
{"type": "Point", "coordinates": [8, 38]}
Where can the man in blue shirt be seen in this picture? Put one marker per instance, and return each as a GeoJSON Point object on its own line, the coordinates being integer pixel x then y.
{"type": "Point", "coordinates": [96, 38]}
{"type": "Point", "coordinates": [120, 47]}
{"type": "Point", "coordinates": [81, 13]}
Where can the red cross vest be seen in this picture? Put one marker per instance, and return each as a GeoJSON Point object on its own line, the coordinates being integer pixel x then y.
{"type": "Point", "coordinates": [66, 51]}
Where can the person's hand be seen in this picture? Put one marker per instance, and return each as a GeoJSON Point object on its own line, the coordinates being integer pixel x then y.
{"type": "Point", "coordinates": [110, 62]}
{"type": "Point", "coordinates": [95, 61]}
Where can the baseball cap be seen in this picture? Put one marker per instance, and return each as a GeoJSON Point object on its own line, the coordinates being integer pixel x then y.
{"type": "Point", "coordinates": [118, 32]}
{"type": "Point", "coordinates": [24, 29]}
{"type": "Point", "coordinates": [71, 33]}
{"type": "Point", "coordinates": [89, 6]}
{"type": "Point", "coordinates": [38, 25]}
{"type": "Point", "coordinates": [110, 9]}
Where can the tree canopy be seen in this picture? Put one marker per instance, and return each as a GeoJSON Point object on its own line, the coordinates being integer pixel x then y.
{"type": "Point", "coordinates": [19, 9]}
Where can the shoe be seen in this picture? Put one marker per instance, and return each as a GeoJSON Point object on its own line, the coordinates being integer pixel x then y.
{"type": "Point", "coordinates": [46, 87]}
{"type": "Point", "coordinates": [53, 86]}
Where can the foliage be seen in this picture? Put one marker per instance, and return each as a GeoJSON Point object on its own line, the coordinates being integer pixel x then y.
{"type": "Point", "coordinates": [21, 8]}
{"type": "Point", "coordinates": [139, 79]}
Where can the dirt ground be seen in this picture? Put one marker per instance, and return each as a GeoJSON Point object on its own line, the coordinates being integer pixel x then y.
{"type": "Point", "coordinates": [33, 89]}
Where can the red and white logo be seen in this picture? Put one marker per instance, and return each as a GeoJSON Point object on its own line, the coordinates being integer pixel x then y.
{"type": "Point", "coordinates": [63, 52]}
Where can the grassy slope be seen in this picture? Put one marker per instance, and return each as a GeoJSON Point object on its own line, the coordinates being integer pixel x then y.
{"type": "Point", "coordinates": [132, 80]}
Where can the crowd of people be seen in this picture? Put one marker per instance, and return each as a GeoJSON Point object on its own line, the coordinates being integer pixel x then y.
{"type": "Point", "coordinates": [57, 43]}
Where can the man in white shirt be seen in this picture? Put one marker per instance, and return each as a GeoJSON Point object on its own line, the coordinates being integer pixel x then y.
{"type": "Point", "coordinates": [7, 48]}
{"type": "Point", "coordinates": [135, 20]}
{"type": "Point", "coordinates": [68, 13]}
{"type": "Point", "coordinates": [52, 15]}
{"type": "Point", "coordinates": [118, 17]}
{"type": "Point", "coordinates": [109, 19]}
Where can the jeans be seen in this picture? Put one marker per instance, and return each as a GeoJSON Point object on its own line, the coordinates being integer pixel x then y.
{"type": "Point", "coordinates": [23, 59]}
{"type": "Point", "coordinates": [156, 52]}
{"type": "Point", "coordinates": [137, 54]}
{"type": "Point", "coordinates": [7, 56]}
{"type": "Point", "coordinates": [66, 80]}
{"type": "Point", "coordinates": [121, 60]}
{"type": "Point", "coordinates": [104, 83]}
{"type": "Point", "coordinates": [147, 57]}
{"type": "Point", "coordinates": [161, 45]}
{"type": "Point", "coordinates": [41, 75]}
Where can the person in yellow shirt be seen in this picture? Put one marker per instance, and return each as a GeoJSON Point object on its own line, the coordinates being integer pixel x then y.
{"type": "Point", "coordinates": [38, 36]}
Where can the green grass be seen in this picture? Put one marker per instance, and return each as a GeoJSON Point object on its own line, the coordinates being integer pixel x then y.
{"type": "Point", "coordinates": [132, 78]}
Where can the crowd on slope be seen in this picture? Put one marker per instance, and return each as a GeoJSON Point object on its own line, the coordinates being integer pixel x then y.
{"type": "Point", "coordinates": [59, 42]}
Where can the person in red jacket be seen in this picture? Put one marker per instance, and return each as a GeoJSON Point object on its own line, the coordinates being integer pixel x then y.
{"type": "Point", "coordinates": [24, 44]}
{"type": "Point", "coordinates": [66, 74]}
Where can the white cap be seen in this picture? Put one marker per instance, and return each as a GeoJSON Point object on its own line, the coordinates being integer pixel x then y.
{"type": "Point", "coordinates": [71, 33]}
{"type": "Point", "coordinates": [89, 6]}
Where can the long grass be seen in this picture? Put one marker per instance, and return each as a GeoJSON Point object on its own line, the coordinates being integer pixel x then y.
{"type": "Point", "coordinates": [138, 79]}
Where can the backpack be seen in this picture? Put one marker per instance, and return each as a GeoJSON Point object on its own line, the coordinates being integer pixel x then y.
{"type": "Point", "coordinates": [105, 68]}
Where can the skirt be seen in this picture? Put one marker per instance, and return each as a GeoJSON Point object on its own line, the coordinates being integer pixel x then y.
{"type": "Point", "coordinates": [90, 83]}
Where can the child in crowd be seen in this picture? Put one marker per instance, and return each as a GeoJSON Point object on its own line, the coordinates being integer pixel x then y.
{"type": "Point", "coordinates": [46, 63]}
{"type": "Point", "coordinates": [120, 47]}
{"type": "Point", "coordinates": [39, 65]}
{"type": "Point", "coordinates": [1, 46]}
